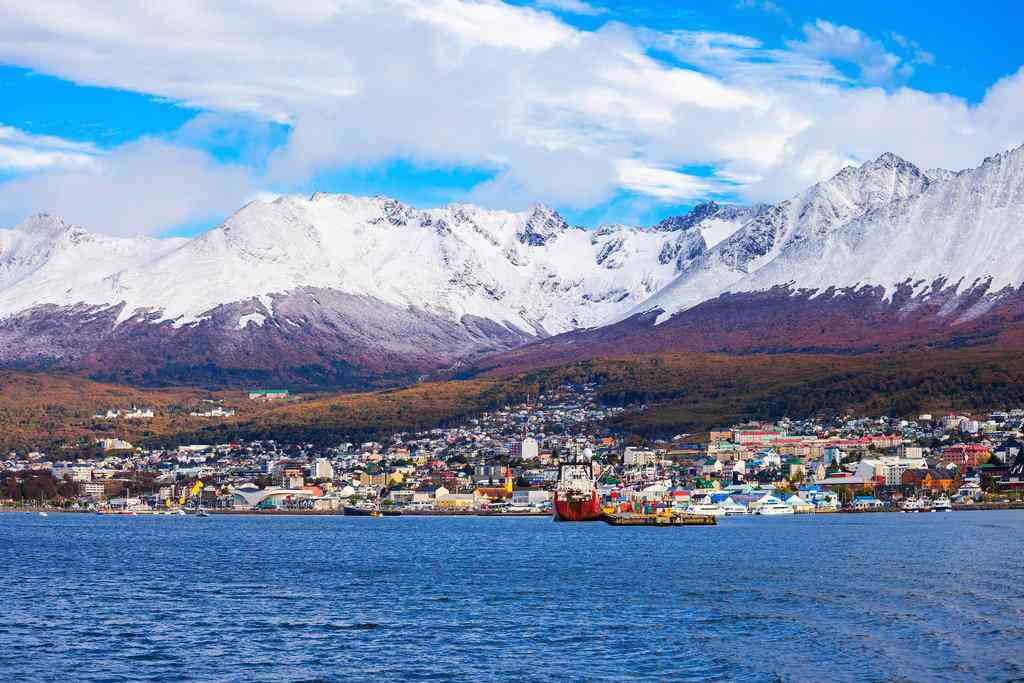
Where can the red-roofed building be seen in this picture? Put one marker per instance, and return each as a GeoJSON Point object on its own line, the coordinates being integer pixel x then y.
{"type": "Point", "coordinates": [964, 455]}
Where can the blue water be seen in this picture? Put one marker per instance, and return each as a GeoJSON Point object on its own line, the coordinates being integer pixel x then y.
{"type": "Point", "coordinates": [878, 597]}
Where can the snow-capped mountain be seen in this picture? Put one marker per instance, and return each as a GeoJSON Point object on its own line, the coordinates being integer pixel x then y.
{"type": "Point", "coordinates": [369, 281]}
{"type": "Point", "coordinates": [336, 290]}
{"type": "Point", "coordinates": [879, 257]}
{"type": "Point", "coordinates": [799, 228]}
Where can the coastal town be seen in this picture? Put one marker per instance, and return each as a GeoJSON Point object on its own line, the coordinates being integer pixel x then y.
{"type": "Point", "coordinates": [507, 461]}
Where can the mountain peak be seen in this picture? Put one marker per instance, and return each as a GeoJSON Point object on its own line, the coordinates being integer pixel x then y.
{"type": "Point", "coordinates": [688, 220]}
{"type": "Point", "coordinates": [543, 224]}
{"type": "Point", "coordinates": [45, 224]}
{"type": "Point", "coordinates": [889, 159]}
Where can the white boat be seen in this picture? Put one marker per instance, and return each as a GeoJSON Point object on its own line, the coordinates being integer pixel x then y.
{"type": "Point", "coordinates": [44, 514]}
{"type": "Point", "coordinates": [732, 508]}
{"type": "Point", "coordinates": [942, 504]}
{"type": "Point", "coordinates": [707, 509]}
{"type": "Point", "coordinates": [775, 509]}
{"type": "Point", "coordinates": [915, 505]}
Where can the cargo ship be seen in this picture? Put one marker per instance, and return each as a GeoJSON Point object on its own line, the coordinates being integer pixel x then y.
{"type": "Point", "coordinates": [576, 498]}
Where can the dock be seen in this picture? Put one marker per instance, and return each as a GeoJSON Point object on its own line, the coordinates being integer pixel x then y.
{"type": "Point", "coordinates": [634, 519]}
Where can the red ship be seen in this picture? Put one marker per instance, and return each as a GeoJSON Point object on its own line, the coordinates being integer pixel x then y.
{"type": "Point", "coordinates": [576, 497]}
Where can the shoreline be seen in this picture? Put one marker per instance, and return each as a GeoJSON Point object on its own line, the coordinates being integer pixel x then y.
{"type": "Point", "coordinates": [979, 507]}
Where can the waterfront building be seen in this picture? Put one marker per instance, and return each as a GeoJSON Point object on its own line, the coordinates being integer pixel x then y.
{"type": "Point", "coordinates": [530, 497]}
{"type": "Point", "coordinates": [931, 479]}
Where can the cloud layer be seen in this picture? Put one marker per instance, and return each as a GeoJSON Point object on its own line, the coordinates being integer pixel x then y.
{"type": "Point", "coordinates": [557, 114]}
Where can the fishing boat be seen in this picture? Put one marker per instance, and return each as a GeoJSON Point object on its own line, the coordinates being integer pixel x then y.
{"type": "Point", "coordinates": [575, 497]}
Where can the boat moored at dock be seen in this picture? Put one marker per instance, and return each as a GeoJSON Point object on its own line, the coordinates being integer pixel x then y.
{"type": "Point", "coordinates": [575, 497]}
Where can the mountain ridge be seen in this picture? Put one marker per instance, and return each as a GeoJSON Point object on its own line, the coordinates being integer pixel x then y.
{"type": "Point", "coordinates": [370, 291]}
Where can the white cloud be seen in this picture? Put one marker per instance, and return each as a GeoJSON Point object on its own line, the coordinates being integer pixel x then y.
{"type": "Point", "coordinates": [146, 186]}
{"type": "Point", "coordinates": [572, 7]}
{"type": "Point", "coordinates": [558, 114]}
{"type": "Point", "coordinates": [665, 184]}
{"type": "Point", "coordinates": [21, 151]}
{"type": "Point", "coordinates": [918, 55]}
{"type": "Point", "coordinates": [826, 40]}
{"type": "Point", "coordinates": [764, 5]}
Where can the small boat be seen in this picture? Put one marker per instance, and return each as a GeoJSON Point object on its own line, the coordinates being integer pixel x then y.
{"type": "Point", "coordinates": [361, 511]}
{"type": "Point", "coordinates": [44, 514]}
{"type": "Point", "coordinates": [942, 504]}
{"type": "Point", "coordinates": [775, 509]}
{"type": "Point", "coordinates": [911, 505]}
{"type": "Point", "coordinates": [706, 509]}
{"type": "Point", "coordinates": [202, 513]}
{"type": "Point", "coordinates": [734, 509]}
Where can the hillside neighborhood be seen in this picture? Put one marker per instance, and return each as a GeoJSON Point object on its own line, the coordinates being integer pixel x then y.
{"type": "Point", "coordinates": [507, 461]}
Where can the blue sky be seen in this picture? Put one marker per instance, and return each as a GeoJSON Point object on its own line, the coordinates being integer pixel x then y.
{"type": "Point", "coordinates": [130, 119]}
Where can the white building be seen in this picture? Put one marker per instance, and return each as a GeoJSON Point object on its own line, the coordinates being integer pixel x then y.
{"type": "Point", "coordinates": [79, 473]}
{"type": "Point", "coordinates": [528, 497]}
{"type": "Point", "coordinates": [889, 468]}
{"type": "Point", "coordinates": [635, 457]}
{"type": "Point", "coordinates": [93, 489]}
{"type": "Point", "coordinates": [321, 469]}
{"type": "Point", "coordinates": [115, 445]}
{"type": "Point", "coordinates": [529, 449]}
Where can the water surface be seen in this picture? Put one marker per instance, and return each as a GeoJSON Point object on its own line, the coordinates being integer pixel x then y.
{"type": "Point", "coordinates": [873, 597]}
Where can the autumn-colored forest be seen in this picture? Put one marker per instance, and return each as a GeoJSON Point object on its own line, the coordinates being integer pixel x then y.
{"type": "Point", "coordinates": [681, 392]}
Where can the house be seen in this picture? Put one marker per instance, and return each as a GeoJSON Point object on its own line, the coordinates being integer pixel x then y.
{"type": "Point", "coordinates": [931, 479]}
{"type": "Point", "coordinates": [866, 503]}
{"type": "Point", "coordinates": [1014, 479]}
{"type": "Point", "coordinates": [457, 501]}
{"type": "Point", "coordinates": [969, 489]}
{"type": "Point", "coordinates": [1007, 451]}
{"type": "Point", "coordinates": [799, 504]}
{"type": "Point", "coordinates": [793, 469]}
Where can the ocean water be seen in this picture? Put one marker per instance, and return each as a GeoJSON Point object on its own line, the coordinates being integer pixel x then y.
{"type": "Point", "coordinates": [871, 597]}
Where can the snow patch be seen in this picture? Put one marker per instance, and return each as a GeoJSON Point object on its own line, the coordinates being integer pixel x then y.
{"type": "Point", "coordinates": [257, 318]}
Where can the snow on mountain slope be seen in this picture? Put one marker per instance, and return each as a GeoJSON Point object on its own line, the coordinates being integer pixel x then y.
{"type": "Point", "coordinates": [331, 290]}
{"type": "Point", "coordinates": [348, 291]}
{"type": "Point", "coordinates": [529, 270]}
{"type": "Point", "coordinates": [966, 228]}
{"type": "Point", "coordinates": [45, 260]}
{"type": "Point", "coordinates": [806, 224]}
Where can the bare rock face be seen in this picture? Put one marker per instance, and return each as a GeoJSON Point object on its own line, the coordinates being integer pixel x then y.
{"type": "Point", "coordinates": [314, 338]}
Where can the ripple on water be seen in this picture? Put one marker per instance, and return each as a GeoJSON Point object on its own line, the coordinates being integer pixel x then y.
{"type": "Point", "coordinates": [879, 597]}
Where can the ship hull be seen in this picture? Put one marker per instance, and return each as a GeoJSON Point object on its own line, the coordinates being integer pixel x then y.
{"type": "Point", "coordinates": [582, 510]}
